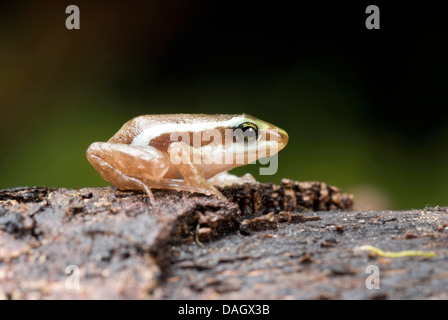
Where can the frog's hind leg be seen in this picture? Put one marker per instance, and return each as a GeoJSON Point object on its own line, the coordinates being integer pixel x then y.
{"type": "Point", "coordinates": [144, 167]}
{"type": "Point", "coordinates": [127, 167]}
{"type": "Point", "coordinates": [121, 180]}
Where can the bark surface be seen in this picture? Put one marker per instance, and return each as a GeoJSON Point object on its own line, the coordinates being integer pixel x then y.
{"type": "Point", "coordinates": [296, 240]}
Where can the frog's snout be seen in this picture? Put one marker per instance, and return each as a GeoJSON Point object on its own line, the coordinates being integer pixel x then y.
{"type": "Point", "coordinates": [283, 138]}
{"type": "Point", "coordinates": [280, 136]}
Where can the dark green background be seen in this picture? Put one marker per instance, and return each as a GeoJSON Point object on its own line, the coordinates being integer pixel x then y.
{"type": "Point", "coordinates": [366, 110]}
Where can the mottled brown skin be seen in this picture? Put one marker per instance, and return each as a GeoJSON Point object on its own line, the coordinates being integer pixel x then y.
{"type": "Point", "coordinates": [133, 166]}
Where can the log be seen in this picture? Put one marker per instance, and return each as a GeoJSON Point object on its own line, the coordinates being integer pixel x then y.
{"type": "Point", "coordinates": [295, 240]}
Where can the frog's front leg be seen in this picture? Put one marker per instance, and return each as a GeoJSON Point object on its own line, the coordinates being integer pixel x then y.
{"type": "Point", "coordinates": [183, 157]}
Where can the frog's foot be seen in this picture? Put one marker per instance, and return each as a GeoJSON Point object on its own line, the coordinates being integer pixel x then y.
{"type": "Point", "coordinates": [226, 179]}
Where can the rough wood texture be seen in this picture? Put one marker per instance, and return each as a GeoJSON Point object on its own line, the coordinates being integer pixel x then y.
{"type": "Point", "coordinates": [189, 246]}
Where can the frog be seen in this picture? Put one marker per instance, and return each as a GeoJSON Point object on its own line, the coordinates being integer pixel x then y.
{"type": "Point", "coordinates": [184, 152]}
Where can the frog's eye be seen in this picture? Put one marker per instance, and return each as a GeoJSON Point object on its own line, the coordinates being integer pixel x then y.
{"type": "Point", "coordinates": [246, 131]}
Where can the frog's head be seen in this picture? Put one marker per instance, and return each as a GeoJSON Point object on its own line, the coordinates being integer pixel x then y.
{"type": "Point", "coordinates": [219, 142]}
{"type": "Point", "coordinates": [248, 139]}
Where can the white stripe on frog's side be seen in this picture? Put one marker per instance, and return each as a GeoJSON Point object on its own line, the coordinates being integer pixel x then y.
{"type": "Point", "coordinates": [145, 137]}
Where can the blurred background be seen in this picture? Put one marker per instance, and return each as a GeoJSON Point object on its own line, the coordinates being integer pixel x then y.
{"type": "Point", "coordinates": [366, 110]}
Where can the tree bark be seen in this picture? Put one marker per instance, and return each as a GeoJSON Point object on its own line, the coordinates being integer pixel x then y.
{"type": "Point", "coordinates": [294, 240]}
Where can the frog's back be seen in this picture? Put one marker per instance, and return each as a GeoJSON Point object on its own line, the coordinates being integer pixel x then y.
{"type": "Point", "coordinates": [142, 129]}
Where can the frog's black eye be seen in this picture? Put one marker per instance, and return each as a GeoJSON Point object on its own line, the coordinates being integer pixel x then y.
{"type": "Point", "coordinates": [247, 131]}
